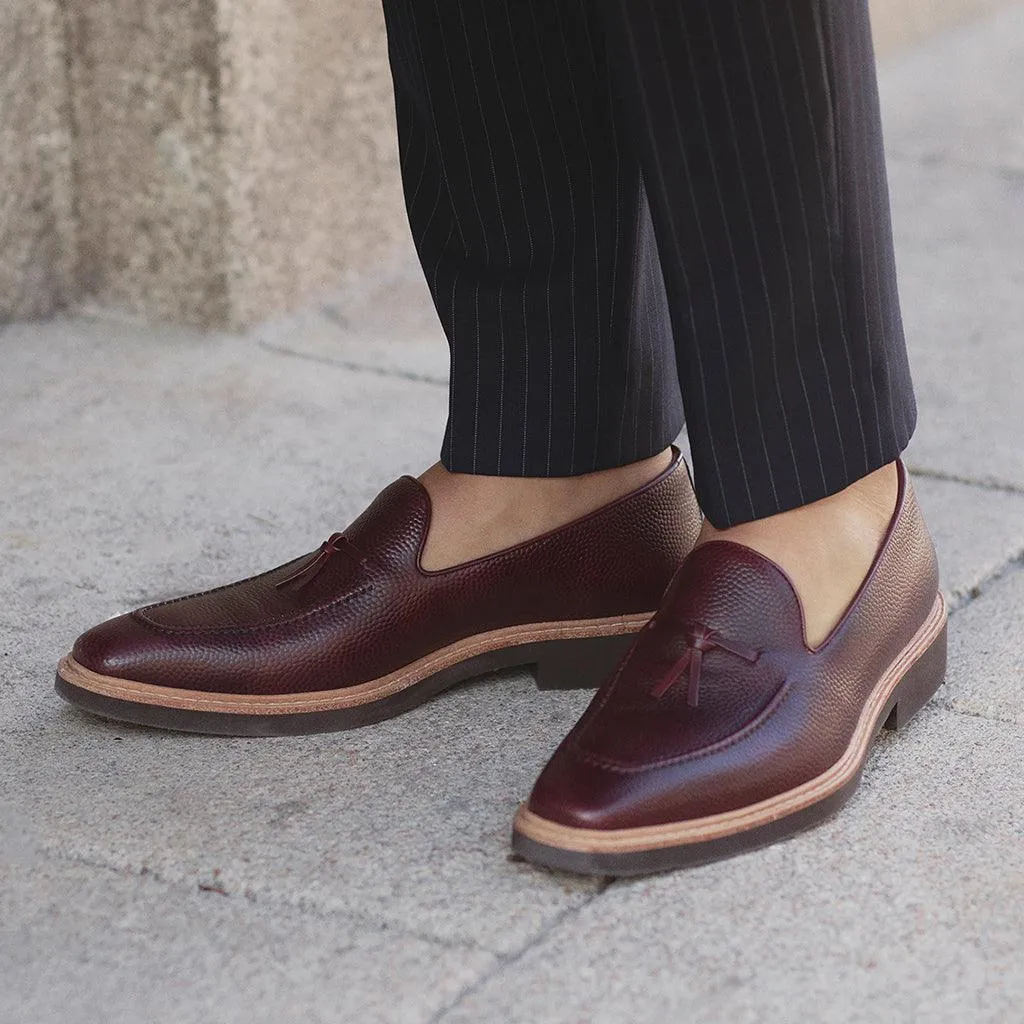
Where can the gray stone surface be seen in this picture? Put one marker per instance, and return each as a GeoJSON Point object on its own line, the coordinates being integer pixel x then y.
{"type": "Point", "coordinates": [404, 826]}
{"type": "Point", "coordinates": [309, 149]}
{"type": "Point", "coordinates": [977, 532]}
{"type": "Point", "coordinates": [970, 113]}
{"type": "Point", "coordinates": [961, 260]}
{"type": "Point", "coordinates": [907, 907]}
{"type": "Point", "coordinates": [364, 876]}
{"type": "Point", "coordinates": [36, 223]}
{"type": "Point", "coordinates": [117, 495]}
{"type": "Point", "coordinates": [986, 674]}
{"type": "Point", "coordinates": [386, 324]}
{"type": "Point", "coordinates": [899, 22]}
{"type": "Point", "coordinates": [955, 133]}
{"type": "Point", "coordinates": [231, 159]}
{"type": "Point", "coordinates": [153, 229]}
{"type": "Point", "coordinates": [112, 948]}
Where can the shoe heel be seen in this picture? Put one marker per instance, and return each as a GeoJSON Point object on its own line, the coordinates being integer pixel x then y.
{"type": "Point", "coordinates": [916, 688]}
{"type": "Point", "coordinates": [579, 664]}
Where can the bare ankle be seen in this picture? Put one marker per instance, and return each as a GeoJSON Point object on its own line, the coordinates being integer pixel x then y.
{"type": "Point", "coordinates": [826, 547]}
{"type": "Point", "coordinates": [477, 515]}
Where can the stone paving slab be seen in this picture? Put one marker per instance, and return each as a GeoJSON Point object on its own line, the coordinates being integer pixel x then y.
{"type": "Point", "coordinates": [83, 946]}
{"type": "Point", "coordinates": [977, 532]}
{"type": "Point", "coordinates": [387, 324]}
{"type": "Point", "coordinates": [138, 463]}
{"type": "Point", "coordinates": [959, 98]}
{"type": "Point", "coordinates": [986, 657]}
{"type": "Point", "coordinates": [405, 824]}
{"type": "Point", "coordinates": [961, 259]}
{"type": "Point", "coordinates": [954, 126]}
{"type": "Point", "coordinates": [387, 823]}
{"type": "Point", "coordinates": [907, 907]}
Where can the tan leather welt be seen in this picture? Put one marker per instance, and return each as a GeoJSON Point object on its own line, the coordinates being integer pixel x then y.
{"type": "Point", "coordinates": [349, 696]}
{"type": "Point", "coordinates": [716, 826]}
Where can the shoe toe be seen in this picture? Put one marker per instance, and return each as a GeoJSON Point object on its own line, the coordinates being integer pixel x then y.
{"type": "Point", "coordinates": [122, 647]}
{"type": "Point", "coordinates": [578, 794]}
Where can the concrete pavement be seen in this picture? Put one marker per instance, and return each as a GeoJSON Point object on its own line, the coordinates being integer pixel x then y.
{"type": "Point", "coordinates": [364, 876]}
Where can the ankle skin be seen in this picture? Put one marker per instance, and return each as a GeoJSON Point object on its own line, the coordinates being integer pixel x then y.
{"type": "Point", "coordinates": [826, 547]}
{"type": "Point", "coordinates": [479, 515]}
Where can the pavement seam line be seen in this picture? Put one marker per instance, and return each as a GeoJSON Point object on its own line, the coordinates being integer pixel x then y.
{"type": "Point", "coordinates": [503, 963]}
{"type": "Point", "coordinates": [301, 906]}
{"type": "Point", "coordinates": [506, 962]}
{"type": "Point", "coordinates": [955, 478]}
{"type": "Point", "coordinates": [345, 364]}
{"type": "Point", "coordinates": [948, 705]}
{"type": "Point", "coordinates": [1012, 565]}
{"type": "Point", "coordinates": [1003, 170]}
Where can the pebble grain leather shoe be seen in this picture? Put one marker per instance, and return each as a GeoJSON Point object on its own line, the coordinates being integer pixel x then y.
{"type": "Point", "coordinates": [357, 631]}
{"type": "Point", "coordinates": [721, 730]}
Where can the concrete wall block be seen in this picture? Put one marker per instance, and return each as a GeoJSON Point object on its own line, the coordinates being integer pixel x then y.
{"type": "Point", "coordinates": [215, 162]}
{"type": "Point", "coordinates": [152, 220]}
{"type": "Point", "coordinates": [234, 157]}
{"type": "Point", "coordinates": [900, 22]}
{"type": "Point", "coordinates": [36, 228]}
{"type": "Point", "coordinates": [309, 151]}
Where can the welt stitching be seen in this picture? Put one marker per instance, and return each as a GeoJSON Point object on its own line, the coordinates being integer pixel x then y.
{"type": "Point", "coordinates": [696, 755]}
{"type": "Point", "coordinates": [218, 589]}
{"type": "Point", "coordinates": [228, 630]}
{"type": "Point", "coordinates": [577, 529]}
{"type": "Point", "coordinates": [592, 711]}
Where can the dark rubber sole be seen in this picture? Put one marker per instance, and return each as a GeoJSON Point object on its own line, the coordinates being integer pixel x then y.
{"type": "Point", "coordinates": [913, 691]}
{"type": "Point", "coordinates": [578, 663]}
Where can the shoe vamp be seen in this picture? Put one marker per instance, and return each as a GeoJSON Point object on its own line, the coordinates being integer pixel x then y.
{"type": "Point", "coordinates": [260, 601]}
{"type": "Point", "coordinates": [633, 729]}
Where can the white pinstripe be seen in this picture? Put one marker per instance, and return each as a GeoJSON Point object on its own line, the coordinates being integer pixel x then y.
{"type": "Point", "coordinates": [453, 380]}
{"type": "Point", "coordinates": [655, 407]}
{"type": "Point", "coordinates": [454, 226]}
{"type": "Point", "coordinates": [840, 299]}
{"type": "Point", "coordinates": [811, 290]}
{"type": "Point", "coordinates": [649, 389]}
{"type": "Point", "coordinates": [864, 284]}
{"type": "Point", "coordinates": [483, 232]}
{"type": "Point", "coordinates": [476, 391]}
{"type": "Point", "coordinates": [529, 236]}
{"type": "Point", "coordinates": [412, 121]}
{"type": "Point", "coordinates": [593, 208]}
{"type": "Point", "coordinates": [613, 305]}
{"type": "Point", "coordinates": [437, 136]}
{"type": "Point", "coordinates": [703, 241]}
{"type": "Point", "coordinates": [728, 234]}
{"type": "Point", "coordinates": [874, 244]}
{"type": "Point", "coordinates": [551, 221]}
{"type": "Point", "coordinates": [680, 257]}
{"type": "Point", "coordinates": [433, 211]}
{"type": "Point", "coordinates": [501, 374]}
{"type": "Point", "coordinates": [572, 256]}
{"type": "Point", "coordinates": [504, 232]}
{"type": "Point", "coordinates": [626, 393]}
{"type": "Point", "coordinates": [597, 262]}
{"type": "Point", "coordinates": [643, 331]}
{"type": "Point", "coordinates": [787, 263]}
{"type": "Point", "coordinates": [451, 348]}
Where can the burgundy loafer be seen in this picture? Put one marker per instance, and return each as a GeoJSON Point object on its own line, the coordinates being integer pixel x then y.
{"type": "Point", "coordinates": [357, 631]}
{"type": "Point", "coordinates": [721, 730]}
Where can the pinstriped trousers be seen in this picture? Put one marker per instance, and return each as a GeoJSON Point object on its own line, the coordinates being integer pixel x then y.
{"type": "Point", "coordinates": [628, 208]}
